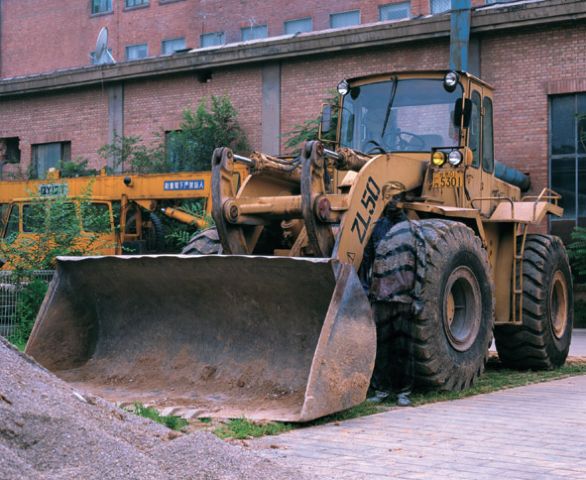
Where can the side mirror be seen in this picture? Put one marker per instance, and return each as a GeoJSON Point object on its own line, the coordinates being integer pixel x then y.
{"type": "Point", "coordinates": [326, 119]}
{"type": "Point", "coordinates": [462, 113]}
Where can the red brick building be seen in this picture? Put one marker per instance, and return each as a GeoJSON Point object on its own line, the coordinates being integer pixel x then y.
{"type": "Point", "coordinates": [52, 99]}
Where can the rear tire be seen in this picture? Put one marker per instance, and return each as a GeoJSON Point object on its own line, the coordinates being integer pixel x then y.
{"type": "Point", "coordinates": [155, 235]}
{"type": "Point", "coordinates": [449, 338]}
{"type": "Point", "coordinates": [204, 242]}
{"type": "Point", "coordinates": [542, 341]}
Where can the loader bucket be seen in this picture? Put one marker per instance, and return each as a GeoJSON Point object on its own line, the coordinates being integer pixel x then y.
{"type": "Point", "coordinates": [269, 338]}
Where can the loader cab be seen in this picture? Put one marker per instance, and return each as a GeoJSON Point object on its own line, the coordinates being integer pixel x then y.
{"type": "Point", "coordinates": [443, 116]}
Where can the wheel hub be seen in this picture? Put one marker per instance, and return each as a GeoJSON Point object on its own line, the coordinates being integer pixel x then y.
{"type": "Point", "coordinates": [558, 304]}
{"type": "Point", "coordinates": [461, 308]}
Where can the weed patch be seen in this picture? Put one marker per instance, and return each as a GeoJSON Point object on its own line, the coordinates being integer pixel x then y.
{"type": "Point", "coordinates": [496, 377]}
{"type": "Point", "coordinates": [241, 428]}
{"type": "Point", "coordinates": [171, 421]}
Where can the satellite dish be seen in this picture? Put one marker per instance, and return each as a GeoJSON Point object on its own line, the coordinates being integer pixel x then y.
{"type": "Point", "coordinates": [103, 56]}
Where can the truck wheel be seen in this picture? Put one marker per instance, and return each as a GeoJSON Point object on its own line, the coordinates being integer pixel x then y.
{"type": "Point", "coordinates": [204, 242]}
{"type": "Point", "coordinates": [155, 235]}
{"type": "Point", "coordinates": [448, 338]}
{"type": "Point", "coordinates": [542, 341]}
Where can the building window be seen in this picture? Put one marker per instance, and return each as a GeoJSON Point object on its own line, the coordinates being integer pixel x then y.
{"type": "Point", "coordinates": [254, 32]}
{"type": "Point", "coordinates": [212, 39]}
{"type": "Point", "coordinates": [9, 150]}
{"type": "Point", "coordinates": [173, 150]}
{"type": "Point", "coordinates": [439, 6]}
{"type": "Point", "coordinates": [394, 11]}
{"type": "Point", "coordinates": [135, 3]}
{"type": "Point", "coordinates": [345, 19]}
{"type": "Point", "coordinates": [101, 6]}
{"type": "Point", "coordinates": [136, 52]}
{"type": "Point", "coordinates": [49, 155]}
{"type": "Point", "coordinates": [567, 160]}
{"type": "Point", "coordinates": [170, 46]}
{"type": "Point", "coordinates": [298, 26]}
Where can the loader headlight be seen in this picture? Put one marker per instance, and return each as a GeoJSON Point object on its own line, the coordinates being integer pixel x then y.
{"type": "Point", "coordinates": [343, 87]}
{"type": "Point", "coordinates": [455, 158]}
{"type": "Point", "coordinates": [450, 81]}
{"type": "Point", "coordinates": [438, 158]}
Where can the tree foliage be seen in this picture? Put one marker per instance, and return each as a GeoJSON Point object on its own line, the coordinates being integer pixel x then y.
{"type": "Point", "coordinates": [129, 154]}
{"type": "Point", "coordinates": [56, 229]}
{"type": "Point", "coordinates": [213, 124]}
{"type": "Point", "coordinates": [577, 251]}
{"type": "Point", "coordinates": [203, 130]}
{"type": "Point", "coordinates": [309, 129]}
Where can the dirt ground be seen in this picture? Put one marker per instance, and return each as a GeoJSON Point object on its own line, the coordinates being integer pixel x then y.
{"type": "Point", "coordinates": [49, 430]}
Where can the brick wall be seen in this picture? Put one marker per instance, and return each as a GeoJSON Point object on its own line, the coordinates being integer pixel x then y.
{"type": "Point", "coordinates": [523, 67]}
{"type": "Point", "coordinates": [54, 34]}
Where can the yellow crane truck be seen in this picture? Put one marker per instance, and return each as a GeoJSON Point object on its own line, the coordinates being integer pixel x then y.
{"type": "Point", "coordinates": [131, 202]}
{"type": "Point", "coordinates": [278, 325]}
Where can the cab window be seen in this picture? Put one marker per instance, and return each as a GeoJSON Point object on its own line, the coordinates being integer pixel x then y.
{"type": "Point", "coordinates": [95, 217]}
{"type": "Point", "coordinates": [474, 138]}
{"type": "Point", "coordinates": [487, 139]}
{"type": "Point", "coordinates": [12, 224]}
{"type": "Point", "coordinates": [32, 218]}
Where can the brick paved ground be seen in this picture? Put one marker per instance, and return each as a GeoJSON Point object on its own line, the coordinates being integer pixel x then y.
{"type": "Point", "coordinates": [527, 433]}
{"type": "Point", "coordinates": [578, 346]}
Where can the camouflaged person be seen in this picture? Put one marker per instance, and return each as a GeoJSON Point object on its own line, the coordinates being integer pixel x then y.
{"type": "Point", "coordinates": [392, 274]}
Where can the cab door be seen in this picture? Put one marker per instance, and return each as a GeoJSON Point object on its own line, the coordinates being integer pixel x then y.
{"type": "Point", "coordinates": [480, 140]}
{"type": "Point", "coordinates": [474, 183]}
{"type": "Point", "coordinates": [487, 150]}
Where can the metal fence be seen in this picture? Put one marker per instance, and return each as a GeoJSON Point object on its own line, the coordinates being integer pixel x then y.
{"type": "Point", "coordinates": [11, 286]}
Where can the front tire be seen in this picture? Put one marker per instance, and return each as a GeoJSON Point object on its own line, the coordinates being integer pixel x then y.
{"type": "Point", "coordinates": [448, 338]}
{"type": "Point", "coordinates": [543, 339]}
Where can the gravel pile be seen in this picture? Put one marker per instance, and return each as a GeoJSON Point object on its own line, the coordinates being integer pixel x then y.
{"type": "Point", "coordinates": [48, 430]}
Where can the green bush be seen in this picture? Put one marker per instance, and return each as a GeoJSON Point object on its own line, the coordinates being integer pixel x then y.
{"type": "Point", "coordinates": [129, 154]}
{"type": "Point", "coordinates": [203, 130]}
{"type": "Point", "coordinates": [30, 298]}
{"type": "Point", "coordinates": [178, 234]}
{"type": "Point", "coordinates": [309, 130]}
{"type": "Point", "coordinates": [577, 251]}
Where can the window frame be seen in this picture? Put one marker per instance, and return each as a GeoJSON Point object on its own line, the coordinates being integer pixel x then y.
{"type": "Point", "coordinates": [126, 49]}
{"type": "Point", "coordinates": [101, 12]}
{"type": "Point", "coordinates": [381, 8]}
{"type": "Point", "coordinates": [221, 34]}
{"type": "Point", "coordinates": [357, 10]}
{"type": "Point", "coordinates": [143, 4]}
{"type": "Point", "coordinates": [576, 156]}
{"type": "Point", "coordinates": [441, 11]}
{"type": "Point", "coordinates": [65, 156]}
{"type": "Point", "coordinates": [172, 40]}
{"type": "Point", "coordinates": [254, 28]}
{"type": "Point", "coordinates": [310, 19]}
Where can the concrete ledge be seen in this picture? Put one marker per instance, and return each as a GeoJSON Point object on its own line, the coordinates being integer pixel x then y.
{"type": "Point", "coordinates": [485, 19]}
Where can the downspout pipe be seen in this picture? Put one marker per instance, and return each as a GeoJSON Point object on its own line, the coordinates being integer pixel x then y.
{"type": "Point", "coordinates": [459, 34]}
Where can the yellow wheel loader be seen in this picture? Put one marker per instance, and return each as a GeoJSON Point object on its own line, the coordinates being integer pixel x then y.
{"type": "Point", "coordinates": [269, 318]}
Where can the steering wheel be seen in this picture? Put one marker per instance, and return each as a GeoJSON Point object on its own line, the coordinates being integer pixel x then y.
{"type": "Point", "coordinates": [413, 140]}
{"type": "Point", "coordinates": [377, 146]}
